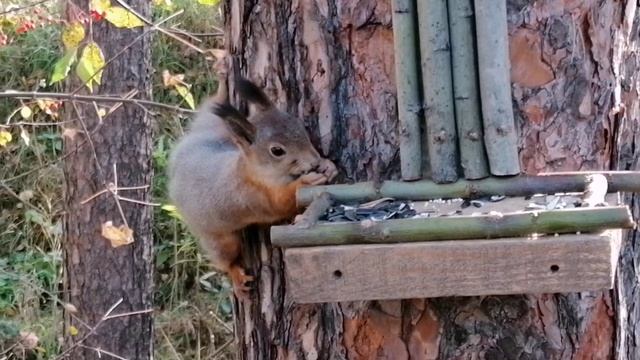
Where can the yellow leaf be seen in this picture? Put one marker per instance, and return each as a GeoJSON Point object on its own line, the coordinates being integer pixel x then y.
{"type": "Point", "coordinates": [94, 54]}
{"type": "Point", "coordinates": [118, 236]}
{"type": "Point", "coordinates": [101, 113]}
{"type": "Point", "coordinates": [73, 331]}
{"type": "Point", "coordinates": [62, 67]}
{"type": "Point", "coordinates": [208, 2]}
{"type": "Point", "coordinates": [172, 210]}
{"type": "Point", "coordinates": [72, 35]}
{"type": "Point", "coordinates": [100, 6]}
{"type": "Point", "coordinates": [186, 95]}
{"type": "Point", "coordinates": [5, 137]}
{"type": "Point", "coordinates": [25, 112]}
{"type": "Point", "coordinates": [122, 18]}
{"type": "Point", "coordinates": [169, 80]}
{"type": "Point", "coordinates": [166, 5]}
{"type": "Point", "coordinates": [90, 65]}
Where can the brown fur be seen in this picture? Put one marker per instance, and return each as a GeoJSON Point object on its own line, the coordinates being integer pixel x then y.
{"type": "Point", "coordinates": [227, 173]}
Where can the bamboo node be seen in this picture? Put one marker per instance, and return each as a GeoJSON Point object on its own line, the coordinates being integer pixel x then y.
{"type": "Point", "coordinates": [472, 135]}
{"type": "Point", "coordinates": [441, 136]}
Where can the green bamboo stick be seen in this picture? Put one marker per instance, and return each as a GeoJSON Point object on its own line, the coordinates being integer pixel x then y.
{"type": "Point", "coordinates": [440, 135]}
{"type": "Point", "coordinates": [628, 181]}
{"type": "Point", "coordinates": [407, 82]}
{"type": "Point", "coordinates": [495, 87]}
{"type": "Point", "coordinates": [473, 157]}
{"type": "Point", "coordinates": [455, 228]}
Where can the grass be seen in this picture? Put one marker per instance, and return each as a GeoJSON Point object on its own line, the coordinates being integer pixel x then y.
{"type": "Point", "coordinates": [194, 317]}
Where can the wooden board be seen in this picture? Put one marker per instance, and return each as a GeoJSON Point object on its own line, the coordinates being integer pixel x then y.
{"type": "Point", "coordinates": [556, 264]}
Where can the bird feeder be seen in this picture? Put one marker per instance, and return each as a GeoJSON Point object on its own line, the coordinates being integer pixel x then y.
{"type": "Point", "coordinates": [494, 232]}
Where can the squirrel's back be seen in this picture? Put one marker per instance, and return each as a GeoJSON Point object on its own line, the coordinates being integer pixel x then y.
{"type": "Point", "coordinates": [203, 173]}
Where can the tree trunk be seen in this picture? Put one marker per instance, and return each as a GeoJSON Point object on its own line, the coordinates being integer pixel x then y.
{"type": "Point", "coordinates": [576, 108]}
{"type": "Point", "coordinates": [98, 275]}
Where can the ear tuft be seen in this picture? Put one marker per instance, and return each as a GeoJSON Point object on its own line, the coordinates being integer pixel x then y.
{"type": "Point", "coordinates": [235, 122]}
{"type": "Point", "coordinates": [253, 94]}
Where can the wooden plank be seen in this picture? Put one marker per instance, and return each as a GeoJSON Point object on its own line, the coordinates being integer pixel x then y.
{"type": "Point", "coordinates": [560, 264]}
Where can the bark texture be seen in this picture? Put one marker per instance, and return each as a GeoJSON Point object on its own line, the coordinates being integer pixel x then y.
{"type": "Point", "coordinates": [575, 103]}
{"type": "Point", "coordinates": [96, 274]}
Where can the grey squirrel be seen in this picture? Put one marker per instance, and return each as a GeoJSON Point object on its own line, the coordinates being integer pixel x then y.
{"type": "Point", "coordinates": [229, 171]}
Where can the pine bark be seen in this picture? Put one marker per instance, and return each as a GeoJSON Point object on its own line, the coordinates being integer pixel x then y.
{"type": "Point", "coordinates": [574, 84]}
{"type": "Point", "coordinates": [97, 275]}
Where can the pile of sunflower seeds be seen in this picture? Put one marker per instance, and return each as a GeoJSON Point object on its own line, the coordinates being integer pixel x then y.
{"type": "Point", "coordinates": [388, 208]}
{"type": "Point", "coordinates": [383, 209]}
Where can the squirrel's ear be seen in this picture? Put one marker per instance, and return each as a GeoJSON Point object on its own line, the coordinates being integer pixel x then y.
{"type": "Point", "coordinates": [252, 93]}
{"type": "Point", "coordinates": [240, 127]}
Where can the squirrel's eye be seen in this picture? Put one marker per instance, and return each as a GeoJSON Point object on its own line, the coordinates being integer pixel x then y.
{"type": "Point", "coordinates": [277, 151]}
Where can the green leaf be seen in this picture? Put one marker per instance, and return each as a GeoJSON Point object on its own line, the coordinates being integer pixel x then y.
{"type": "Point", "coordinates": [35, 217]}
{"type": "Point", "coordinates": [122, 18]}
{"type": "Point", "coordinates": [186, 95]}
{"type": "Point", "coordinates": [208, 2]}
{"type": "Point", "coordinates": [62, 66]}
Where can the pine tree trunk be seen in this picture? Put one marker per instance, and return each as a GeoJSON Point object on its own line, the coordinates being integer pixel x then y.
{"type": "Point", "coordinates": [576, 108]}
{"type": "Point", "coordinates": [98, 275]}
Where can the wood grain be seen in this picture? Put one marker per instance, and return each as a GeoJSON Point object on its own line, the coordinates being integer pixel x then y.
{"type": "Point", "coordinates": [560, 264]}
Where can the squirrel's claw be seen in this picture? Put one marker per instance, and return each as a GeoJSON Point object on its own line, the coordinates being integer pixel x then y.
{"type": "Point", "coordinates": [328, 168]}
{"type": "Point", "coordinates": [313, 178]}
{"type": "Point", "coordinates": [240, 280]}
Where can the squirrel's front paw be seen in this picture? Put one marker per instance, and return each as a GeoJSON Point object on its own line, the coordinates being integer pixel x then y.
{"type": "Point", "coordinates": [328, 169]}
{"type": "Point", "coordinates": [240, 280]}
{"type": "Point", "coordinates": [313, 178]}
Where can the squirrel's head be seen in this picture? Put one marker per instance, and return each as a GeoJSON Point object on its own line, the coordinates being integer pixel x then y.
{"type": "Point", "coordinates": [274, 142]}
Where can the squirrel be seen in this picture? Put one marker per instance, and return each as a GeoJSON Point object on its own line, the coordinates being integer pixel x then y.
{"type": "Point", "coordinates": [229, 171]}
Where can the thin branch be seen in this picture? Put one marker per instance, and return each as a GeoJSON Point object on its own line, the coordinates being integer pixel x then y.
{"type": "Point", "coordinates": [28, 6]}
{"type": "Point", "coordinates": [103, 98]}
{"type": "Point", "coordinates": [137, 201]}
{"type": "Point", "coordinates": [12, 193]}
{"type": "Point", "coordinates": [162, 30]}
{"type": "Point", "coordinates": [49, 163]}
{"type": "Point", "coordinates": [127, 47]}
{"type": "Point", "coordinates": [129, 314]}
{"type": "Point", "coordinates": [102, 351]}
{"type": "Point", "coordinates": [115, 194]}
{"type": "Point", "coordinates": [93, 148]}
{"type": "Point", "coordinates": [25, 123]}
{"type": "Point", "coordinates": [173, 349]}
{"type": "Point", "coordinates": [90, 332]}
{"type": "Point", "coordinates": [221, 349]}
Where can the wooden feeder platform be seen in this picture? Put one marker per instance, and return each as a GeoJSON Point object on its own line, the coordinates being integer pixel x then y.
{"type": "Point", "coordinates": [555, 243]}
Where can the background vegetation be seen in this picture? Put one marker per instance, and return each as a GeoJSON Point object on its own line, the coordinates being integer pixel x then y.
{"type": "Point", "coordinates": [193, 310]}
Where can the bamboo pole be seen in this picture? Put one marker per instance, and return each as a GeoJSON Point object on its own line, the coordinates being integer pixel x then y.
{"type": "Point", "coordinates": [495, 87]}
{"type": "Point", "coordinates": [440, 135]}
{"type": "Point", "coordinates": [628, 181]}
{"type": "Point", "coordinates": [466, 95]}
{"type": "Point", "coordinates": [409, 102]}
{"type": "Point", "coordinates": [455, 228]}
